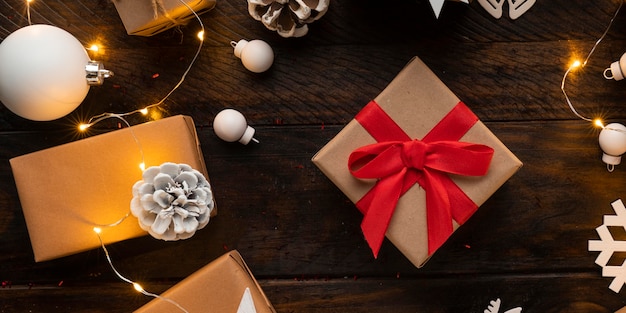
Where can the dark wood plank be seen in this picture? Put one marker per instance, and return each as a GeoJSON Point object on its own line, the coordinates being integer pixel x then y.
{"type": "Point", "coordinates": [300, 235]}
{"type": "Point", "coordinates": [361, 295]}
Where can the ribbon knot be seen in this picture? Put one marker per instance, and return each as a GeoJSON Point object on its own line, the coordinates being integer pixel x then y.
{"type": "Point", "coordinates": [398, 162]}
{"type": "Point", "coordinates": [413, 154]}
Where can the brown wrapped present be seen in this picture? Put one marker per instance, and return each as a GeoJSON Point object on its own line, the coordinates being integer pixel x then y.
{"type": "Point", "coordinates": [67, 190]}
{"type": "Point", "coordinates": [454, 167]}
{"type": "Point", "coordinates": [150, 17]}
{"type": "Point", "coordinates": [223, 285]}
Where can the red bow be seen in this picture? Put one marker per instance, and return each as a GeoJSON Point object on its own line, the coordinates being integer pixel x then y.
{"type": "Point", "coordinates": [398, 162]}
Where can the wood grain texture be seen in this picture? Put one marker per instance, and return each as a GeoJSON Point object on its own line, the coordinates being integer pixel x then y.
{"type": "Point", "coordinates": [298, 233]}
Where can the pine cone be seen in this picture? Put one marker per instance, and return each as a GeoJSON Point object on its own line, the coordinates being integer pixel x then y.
{"type": "Point", "coordinates": [172, 201]}
{"type": "Point", "coordinates": [288, 17]}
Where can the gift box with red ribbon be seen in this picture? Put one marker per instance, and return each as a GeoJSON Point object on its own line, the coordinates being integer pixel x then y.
{"type": "Point", "coordinates": [417, 163]}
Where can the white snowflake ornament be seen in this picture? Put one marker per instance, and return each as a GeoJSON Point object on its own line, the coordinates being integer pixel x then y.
{"type": "Point", "coordinates": [516, 7]}
{"type": "Point", "coordinates": [172, 201]}
{"type": "Point", "coordinates": [494, 307]}
{"type": "Point", "coordinates": [607, 246]}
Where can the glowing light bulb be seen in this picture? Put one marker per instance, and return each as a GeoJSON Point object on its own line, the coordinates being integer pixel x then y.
{"type": "Point", "coordinates": [598, 122]}
{"type": "Point", "coordinates": [576, 64]}
{"type": "Point", "coordinates": [257, 56]}
{"type": "Point", "coordinates": [97, 230]}
{"type": "Point", "coordinates": [144, 111]}
{"type": "Point", "coordinates": [138, 287]}
{"type": "Point", "coordinates": [201, 35]}
{"type": "Point", "coordinates": [83, 127]}
{"type": "Point", "coordinates": [612, 141]}
{"type": "Point", "coordinates": [230, 125]}
{"type": "Point", "coordinates": [142, 166]}
{"type": "Point", "coordinates": [94, 48]}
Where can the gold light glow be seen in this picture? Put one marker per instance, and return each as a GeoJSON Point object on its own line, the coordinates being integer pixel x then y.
{"type": "Point", "coordinates": [138, 287]}
{"type": "Point", "coordinates": [83, 127]}
{"type": "Point", "coordinates": [598, 122]}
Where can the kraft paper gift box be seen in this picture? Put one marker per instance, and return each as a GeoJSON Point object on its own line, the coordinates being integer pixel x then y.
{"type": "Point", "coordinates": [150, 17]}
{"type": "Point", "coordinates": [67, 190]}
{"type": "Point", "coordinates": [221, 286]}
{"type": "Point", "coordinates": [415, 101]}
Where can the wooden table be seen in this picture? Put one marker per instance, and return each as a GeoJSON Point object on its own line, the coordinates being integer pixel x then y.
{"type": "Point", "coordinates": [299, 234]}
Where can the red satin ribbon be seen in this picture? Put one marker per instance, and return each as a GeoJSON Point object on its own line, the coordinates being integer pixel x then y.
{"type": "Point", "coordinates": [398, 162]}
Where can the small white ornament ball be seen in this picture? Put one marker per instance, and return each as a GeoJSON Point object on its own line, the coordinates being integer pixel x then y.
{"type": "Point", "coordinates": [256, 55]}
{"type": "Point", "coordinates": [612, 141]}
{"type": "Point", "coordinates": [42, 72]}
{"type": "Point", "coordinates": [230, 125]}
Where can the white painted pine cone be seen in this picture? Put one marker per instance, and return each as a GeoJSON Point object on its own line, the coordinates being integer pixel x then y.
{"type": "Point", "coordinates": [288, 17]}
{"type": "Point", "coordinates": [172, 201]}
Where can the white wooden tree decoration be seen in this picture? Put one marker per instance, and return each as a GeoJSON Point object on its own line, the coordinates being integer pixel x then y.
{"type": "Point", "coordinates": [247, 304]}
{"type": "Point", "coordinates": [607, 246]}
{"type": "Point", "coordinates": [438, 5]}
{"type": "Point", "coordinates": [494, 307]}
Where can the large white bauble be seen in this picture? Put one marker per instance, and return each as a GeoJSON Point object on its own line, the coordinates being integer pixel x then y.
{"type": "Point", "coordinates": [42, 72]}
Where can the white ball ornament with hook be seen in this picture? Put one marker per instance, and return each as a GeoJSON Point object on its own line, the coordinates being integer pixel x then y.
{"type": "Point", "coordinates": [612, 141]}
{"type": "Point", "coordinates": [230, 125]}
{"type": "Point", "coordinates": [617, 70]}
{"type": "Point", "coordinates": [256, 55]}
{"type": "Point", "coordinates": [45, 72]}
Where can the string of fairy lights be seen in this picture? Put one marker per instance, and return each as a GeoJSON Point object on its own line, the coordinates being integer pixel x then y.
{"type": "Point", "coordinates": [100, 117]}
{"type": "Point", "coordinates": [576, 64]}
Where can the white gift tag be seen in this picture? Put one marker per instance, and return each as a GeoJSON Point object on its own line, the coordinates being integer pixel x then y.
{"type": "Point", "coordinates": [247, 304]}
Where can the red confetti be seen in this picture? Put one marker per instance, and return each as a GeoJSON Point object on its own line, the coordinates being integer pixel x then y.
{"type": "Point", "coordinates": [323, 126]}
{"type": "Point", "coordinates": [117, 86]}
{"type": "Point", "coordinates": [155, 75]}
{"type": "Point", "coordinates": [299, 166]}
{"type": "Point", "coordinates": [225, 247]}
{"type": "Point", "coordinates": [60, 284]}
{"type": "Point", "coordinates": [468, 246]}
{"type": "Point", "coordinates": [398, 275]}
{"type": "Point", "coordinates": [355, 277]}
